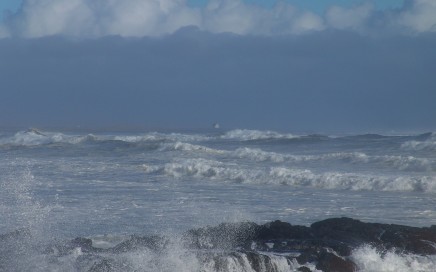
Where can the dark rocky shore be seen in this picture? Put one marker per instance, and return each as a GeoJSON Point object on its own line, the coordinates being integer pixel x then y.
{"type": "Point", "coordinates": [326, 245]}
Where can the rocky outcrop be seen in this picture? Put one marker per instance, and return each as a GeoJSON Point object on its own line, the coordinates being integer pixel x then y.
{"type": "Point", "coordinates": [325, 245]}
{"type": "Point", "coordinates": [328, 243]}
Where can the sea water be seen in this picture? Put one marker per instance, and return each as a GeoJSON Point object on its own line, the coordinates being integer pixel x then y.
{"type": "Point", "coordinates": [106, 186]}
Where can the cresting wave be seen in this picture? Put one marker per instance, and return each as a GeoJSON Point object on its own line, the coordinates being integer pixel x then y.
{"type": "Point", "coordinates": [250, 135]}
{"type": "Point", "coordinates": [428, 144]}
{"type": "Point", "coordinates": [180, 142]}
{"type": "Point", "coordinates": [33, 137]}
{"type": "Point", "coordinates": [398, 162]}
{"type": "Point", "coordinates": [203, 169]}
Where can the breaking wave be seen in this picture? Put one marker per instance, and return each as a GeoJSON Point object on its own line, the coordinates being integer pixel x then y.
{"type": "Point", "coordinates": [369, 259]}
{"type": "Point", "coordinates": [408, 163]}
{"type": "Point", "coordinates": [250, 135]}
{"type": "Point", "coordinates": [181, 146]}
{"type": "Point", "coordinates": [203, 169]}
{"type": "Point", "coordinates": [33, 137]}
{"type": "Point", "coordinates": [427, 144]}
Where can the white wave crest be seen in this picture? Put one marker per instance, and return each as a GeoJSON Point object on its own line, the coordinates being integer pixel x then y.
{"type": "Point", "coordinates": [409, 163]}
{"type": "Point", "coordinates": [258, 154]}
{"type": "Point", "coordinates": [405, 163]}
{"type": "Point", "coordinates": [212, 170]}
{"type": "Point", "coordinates": [368, 259]}
{"type": "Point", "coordinates": [35, 138]}
{"type": "Point", "coordinates": [156, 136]}
{"type": "Point", "coordinates": [181, 146]}
{"type": "Point", "coordinates": [429, 144]}
{"type": "Point", "coordinates": [351, 181]}
{"type": "Point", "coordinates": [247, 135]}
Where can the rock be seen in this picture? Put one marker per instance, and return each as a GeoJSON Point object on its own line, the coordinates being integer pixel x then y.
{"type": "Point", "coordinates": [282, 230]}
{"type": "Point", "coordinates": [155, 243]}
{"type": "Point", "coordinates": [329, 262]}
{"type": "Point", "coordinates": [102, 266]}
{"type": "Point", "coordinates": [84, 243]}
{"type": "Point", "coordinates": [224, 236]}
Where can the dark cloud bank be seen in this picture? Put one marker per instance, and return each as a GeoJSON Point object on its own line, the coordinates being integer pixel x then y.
{"type": "Point", "coordinates": [329, 81]}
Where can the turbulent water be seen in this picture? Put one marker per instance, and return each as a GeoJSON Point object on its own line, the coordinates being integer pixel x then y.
{"type": "Point", "coordinates": [108, 186]}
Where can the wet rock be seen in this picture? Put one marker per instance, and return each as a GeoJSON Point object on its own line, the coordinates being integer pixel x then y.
{"type": "Point", "coordinates": [260, 262]}
{"type": "Point", "coordinates": [224, 236]}
{"type": "Point", "coordinates": [102, 266]}
{"type": "Point", "coordinates": [84, 243]}
{"type": "Point", "coordinates": [352, 233]}
{"type": "Point", "coordinates": [326, 244]}
{"type": "Point", "coordinates": [155, 243]}
{"type": "Point", "coordinates": [330, 262]}
{"type": "Point", "coordinates": [282, 230]}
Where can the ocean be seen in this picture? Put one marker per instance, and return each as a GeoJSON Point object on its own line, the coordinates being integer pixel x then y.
{"type": "Point", "coordinates": [75, 201]}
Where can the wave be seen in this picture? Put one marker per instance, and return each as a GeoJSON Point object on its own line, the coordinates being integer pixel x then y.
{"type": "Point", "coordinates": [405, 163]}
{"type": "Point", "coordinates": [352, 181]}
{"type": "Point", "coordinates": [416, 145]}
{"type": "Point", "coordinates": [203, 169]}
{"type": "Point", "coordinates": [34, 137]}
{"type": "Point", "coordinates": [250, 135]}
{"type": "Point", "coordinates": [181, 146]}
{"type": "Point", "coordinates": [371, 259]}
{"type": "Point", "coordinates": [162, 137]}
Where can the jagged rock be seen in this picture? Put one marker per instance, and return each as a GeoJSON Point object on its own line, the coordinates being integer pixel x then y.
{"type": "Point", "coordinates": [282, 230]}
{"type": "Point", "coordinates": [155, 243]}
{"type": "Point", "coordinates": [84, 243]}
{"type": "Point", "coordinates": [102, 266]}
{"type": "Point", "coordinates": [329, 262]}
{"type": "Point", "coordinates": [326, 244]}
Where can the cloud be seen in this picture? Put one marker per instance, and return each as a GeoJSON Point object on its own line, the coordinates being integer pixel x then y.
{"type": "Point", "coordinates": [349, 18]}
{"type": "Point", "coordinates": [237, 17]}
{"type": "Point", "coordinates": [139, 18]}
{"type": "Point", "coordinates": [418, 16]}
{"type": "Point", "coordinates": [4, 32]}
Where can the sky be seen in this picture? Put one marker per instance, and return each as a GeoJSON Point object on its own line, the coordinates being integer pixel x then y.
{"type": "Point", "coordinates": [316, 6]}
{"type": "Point", "coordinates": [344, 66]}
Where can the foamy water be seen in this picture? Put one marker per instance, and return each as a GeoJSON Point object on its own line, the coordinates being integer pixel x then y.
{"type": "Point", "coordinates": [107, 186]}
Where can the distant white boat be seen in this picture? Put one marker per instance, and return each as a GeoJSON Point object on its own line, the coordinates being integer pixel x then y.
{"type": "Point", "coordinates": [216, 126]}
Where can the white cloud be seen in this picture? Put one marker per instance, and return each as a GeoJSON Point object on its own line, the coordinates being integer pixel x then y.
{"type": "Point", "coordinates": [237, 17]}
{"type": "Point", "coordinates": [349, 18]}
{"type": "Point", "coordinates": [137, 18]}
{"type": "Point", "coordinates": [420, 16]}
{"type": "Point", "coordinates": [84, 18]}
{"type": "Point", "coordinates": [49, 17]}
{"type": "Point", "coordinates": [4, 33]}
{"type": "Point", "coordinates": [307, 22]}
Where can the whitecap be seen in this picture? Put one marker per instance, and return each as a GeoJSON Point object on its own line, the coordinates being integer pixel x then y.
{"type": "Point", "coordinates": [247, 135]}
{"type": "Point", "coordinates": [369, 259]}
